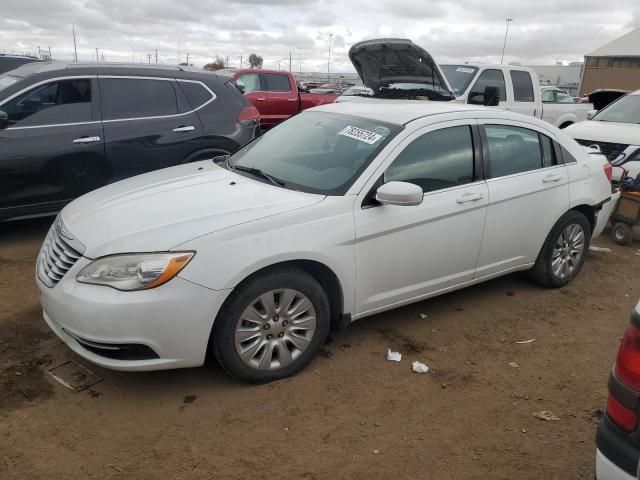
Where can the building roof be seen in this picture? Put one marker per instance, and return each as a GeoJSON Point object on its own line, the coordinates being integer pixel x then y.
{"type": "Point", "coordinates": [627, 45]}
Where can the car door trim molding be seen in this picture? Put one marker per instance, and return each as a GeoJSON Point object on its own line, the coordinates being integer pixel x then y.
{"type": "Point", "coordinates": [167, 79]}
{"type": "Point", "coordinates": [43, 82]}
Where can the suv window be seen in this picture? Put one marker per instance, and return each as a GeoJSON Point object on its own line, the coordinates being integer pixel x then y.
{"type": "Point", "coordinates": [436, 160]}
{"type": "Point", "coordinates": [522, 86]}
{"type": "Point", "coordinates": [488, 78]}
{"type": "Point", "coordinates": [276, 83]}
{"type": "Point", "coordinates": [196, 94]}
{"type": "Point", "coordinates": [137, 98]}
{"type": "Point", "coordinates": [249, 82]}
{"type": "Point", "coordinates": [512, 150]}
{"type": "Point", "coordinates": [60, 102]}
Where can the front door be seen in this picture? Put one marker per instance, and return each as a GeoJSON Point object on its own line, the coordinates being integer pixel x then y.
{"type": "Point", "coordinates": [524, 95]}
{"type": "Point", "coordinates": [146, 126]}
{"type": "Point", "coordinates": [408, 252]}
{"type": "Point", "coordinates": [528, 193]}
{"type": "Point", "coordinates": [53, 149]}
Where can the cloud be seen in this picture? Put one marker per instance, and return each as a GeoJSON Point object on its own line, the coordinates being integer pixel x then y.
{"type": "Point", "coordinates": [544, 31]}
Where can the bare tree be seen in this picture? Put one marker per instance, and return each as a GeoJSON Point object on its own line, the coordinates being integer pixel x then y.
{"type": "Point", "coordinates": [255, 61]}
{"type": "Point", "coordinates": [217, 64]}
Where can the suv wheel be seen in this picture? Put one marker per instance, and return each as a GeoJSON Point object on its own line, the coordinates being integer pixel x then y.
{"type": "Point", "coordinates": [272, 326]}
{"type": "Point", "coordinates": [563, 252]}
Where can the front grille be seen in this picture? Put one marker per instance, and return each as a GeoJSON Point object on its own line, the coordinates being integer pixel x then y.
{"type": "Point", "coordinates": [116, 351]}
{"type": "Point", "coordinates": [608, 149]}
{"type": "Point", "coordinates": [56, 257]}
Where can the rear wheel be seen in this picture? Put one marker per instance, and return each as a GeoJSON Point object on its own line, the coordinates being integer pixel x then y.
{"type": "Point", "coordinates": [563, 252]}
{"type": "Point", "coordinates": [621, 233]}
{"type": "Point", "coordinates": [272, 326]}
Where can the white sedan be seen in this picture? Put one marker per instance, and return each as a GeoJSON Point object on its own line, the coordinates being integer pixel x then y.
{"type": "Point", "coordinates": [341, 212]}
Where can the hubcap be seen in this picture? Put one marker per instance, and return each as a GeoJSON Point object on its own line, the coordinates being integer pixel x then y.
{"type": "Point", "coordinates": [275, 329]}
{"type": "Point", "coordinates": [568, 251]}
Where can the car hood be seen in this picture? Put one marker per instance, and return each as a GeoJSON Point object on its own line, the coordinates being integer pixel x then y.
{"type": "Point", "coordinates": [627, 133]}
{"type": "Point", "coordinates": [162, 209]}
{"type": "Point", "coordinates": [383, 60]}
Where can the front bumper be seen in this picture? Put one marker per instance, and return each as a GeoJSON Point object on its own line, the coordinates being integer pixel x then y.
{"type": "Point", "coordinates": [602, 215]}
{"type": "Point", "coordinates": [174, 320]}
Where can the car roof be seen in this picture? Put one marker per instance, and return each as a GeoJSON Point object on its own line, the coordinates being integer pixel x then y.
{"type": "Point", "coordinates": [72, 68]}
{"type": "Point", "coordinates": [399, 112]}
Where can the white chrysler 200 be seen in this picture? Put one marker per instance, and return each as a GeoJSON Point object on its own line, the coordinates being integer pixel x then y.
{"type": "Point", "coordinates": [341, 212]}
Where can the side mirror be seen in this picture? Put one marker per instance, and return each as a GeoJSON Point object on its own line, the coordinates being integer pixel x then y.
{"type": "Point", "coordinates": [4, 120]}
{"type": "Point", "coordinates": [240, 87]}
{"type": "Point", "coordinates": [399, 193]}
{"type": "Point", "coordinates": [591, 114]}
{"type": "Point", "coordinates": [491, 96]}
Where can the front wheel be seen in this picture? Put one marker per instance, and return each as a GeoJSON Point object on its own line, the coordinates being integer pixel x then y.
{"type": "Point", "coordinates": [272, 326]}
{"type": "Point", "coordinates": [563, 252]}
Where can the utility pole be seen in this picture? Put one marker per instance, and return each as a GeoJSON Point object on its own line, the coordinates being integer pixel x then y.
{"type": "Point", "coordinates": [97, 55]}
{"type": "Point", "coordinates": [300, 64]}
{"type": "Point", "coordinates": [240, 60]}
{"type": "Point", "coordinates": [75, 48]}
{"type": "Point", "coordinates": [329, 60]}
{"type": "Point", "coordinates": [156, 56]}
{"type": "Point", "coordinates": [39, 53]}
{"type": "Point", "coordinates": [50, 54]}
{"type": "Point", "coordinates": [187, 59]}
{"type": "Point", "coordinates": [289, 60]}
{"type": "Point", "coordinates": [149, 57]}
{"type": "Point", "coordinates": [509, 20]}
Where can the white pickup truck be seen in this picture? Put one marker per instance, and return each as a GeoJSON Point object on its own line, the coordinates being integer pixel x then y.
{"type": "Point", "coordinates": [518, 92]}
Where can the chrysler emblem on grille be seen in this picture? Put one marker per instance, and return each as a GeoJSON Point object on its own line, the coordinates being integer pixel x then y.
{"type": "Point", "coordinates": [62, 230]}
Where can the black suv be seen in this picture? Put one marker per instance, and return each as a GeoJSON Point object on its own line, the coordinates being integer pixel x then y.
{"type": "Point", "coordinates": [11, 62]}
{"type": "Point", "coordinates": [66, 129]}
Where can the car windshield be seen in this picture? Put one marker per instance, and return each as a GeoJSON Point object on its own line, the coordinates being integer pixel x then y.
{"type": "Point", "coordinates": [315, 152]}
{"type": "Point", "coordinates": [459, 76]}
{"type": "Point", "coordinates": [625, 110]}
{"type": "Point", "coordinates": [7, 80]}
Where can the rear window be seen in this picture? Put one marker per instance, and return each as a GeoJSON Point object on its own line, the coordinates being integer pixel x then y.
{"type": "Point", "coordinates": [276, 83]}
{"type": "Point", "coordinates": [136, 98]}
{"type": "Point", "coordinates": [522, 86]}
{"type": "Point", "coordinates": [197, 95]}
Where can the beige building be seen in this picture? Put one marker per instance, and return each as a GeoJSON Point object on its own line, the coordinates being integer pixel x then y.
{"type": "Point", "coordinates": [615, 65]}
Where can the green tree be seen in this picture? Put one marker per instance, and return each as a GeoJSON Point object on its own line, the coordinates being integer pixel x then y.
{"type": "Point", "coordinates": [217, 64]}
{"type": "Point", "coordinates": [255, 61]}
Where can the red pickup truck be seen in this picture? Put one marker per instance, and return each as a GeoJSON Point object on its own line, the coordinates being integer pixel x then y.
{"type": "Point", "coordinates": [275, 94]}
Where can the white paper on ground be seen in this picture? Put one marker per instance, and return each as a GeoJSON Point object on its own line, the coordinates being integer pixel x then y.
{"type": "Point", "coordinates": [393, 356]}
{"type": "Point", "coordinates": [419, 367]}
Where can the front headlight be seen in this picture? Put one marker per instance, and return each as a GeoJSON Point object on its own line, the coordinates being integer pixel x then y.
{"type": "Point", "coordinates": [137, 271]}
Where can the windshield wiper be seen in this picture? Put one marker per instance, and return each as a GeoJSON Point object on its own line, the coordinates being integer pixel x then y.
{"type": "Point", "coordinates": [258, 173]}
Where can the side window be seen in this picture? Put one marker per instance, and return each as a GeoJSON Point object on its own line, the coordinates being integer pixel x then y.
{"type": "Point", "coordinates": [249, 82]}
{"type": "Point", "coordinates": [522, 86]}
{"type": "Point", "coordinates": [488, 78]}
{"type": "Point", "coordinates": [436, 160]}
{"type": "Point", "coordinates": [196, 94]}
{"type": "Point", "coordinates": [137, 98]}
{"type": "Point", "coordinates": [563, 97]}
{"type": "Point", "coordinates": [547, 96]}
{"type": "Point", "coordinates": [60, 102]}
{"type": "Point", "coordinates": [548, 152]}
{"type": "Point", "coordinates": [276, 83]}
{"type": "Point", "coordinates": [512, 150]}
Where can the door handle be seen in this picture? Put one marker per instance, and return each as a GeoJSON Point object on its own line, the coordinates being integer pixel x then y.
{"type": "Point", "coordinates": [551, 178]}
{"type": "Point", "coordinates": [189, 128]}
{"type": "Point", "coordinates": [86, 140]}
{"type": "Point", "coordinates": [469, 197]}
{"type": "Point", "coordinates": [293, 99]}
{"type": "Point", "coordinates": [260, 99]}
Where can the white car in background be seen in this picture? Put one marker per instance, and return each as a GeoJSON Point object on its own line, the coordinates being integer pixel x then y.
{"type": "Point", "coordinates": [519, 92]}
{"type": "Point", "coordinates": [341, 212]}
{"type": "Point", "coordinates": [616, 131]}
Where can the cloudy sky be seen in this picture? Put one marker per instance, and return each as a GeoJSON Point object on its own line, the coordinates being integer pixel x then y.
{"type": "Point", "coordinates": [543, 31]}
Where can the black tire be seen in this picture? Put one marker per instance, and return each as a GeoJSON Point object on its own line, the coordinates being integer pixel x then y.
{"type": "Point", "coordinates": [222, 342]}
{"type": "Point", "coordinates": [622, 233]}
{"type": "Point", "coordinates": [542, 271]}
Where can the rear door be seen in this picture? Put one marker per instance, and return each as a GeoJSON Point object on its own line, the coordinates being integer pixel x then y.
{"type": "Point", "coordinates": [524, 94]}
{"type": "Point", "coordinates": [53, 150]}
{"type": "Point", "coordinates": [282, 99]}
{"type": "Point", "coordinates": [146, 124]}
{"type": "Point", "coordinates": [528, 193]}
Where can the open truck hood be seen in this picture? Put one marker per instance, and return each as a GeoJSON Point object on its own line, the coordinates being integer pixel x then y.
{"type": "Point", "coordinates": [384, 61]}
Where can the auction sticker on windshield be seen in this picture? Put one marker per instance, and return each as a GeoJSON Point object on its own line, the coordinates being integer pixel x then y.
{"type": "Point", "coordinates": [360, 134]}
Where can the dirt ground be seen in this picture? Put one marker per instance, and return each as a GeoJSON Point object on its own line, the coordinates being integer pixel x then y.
{"type": "Point", "coordinates": [350, 414]}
